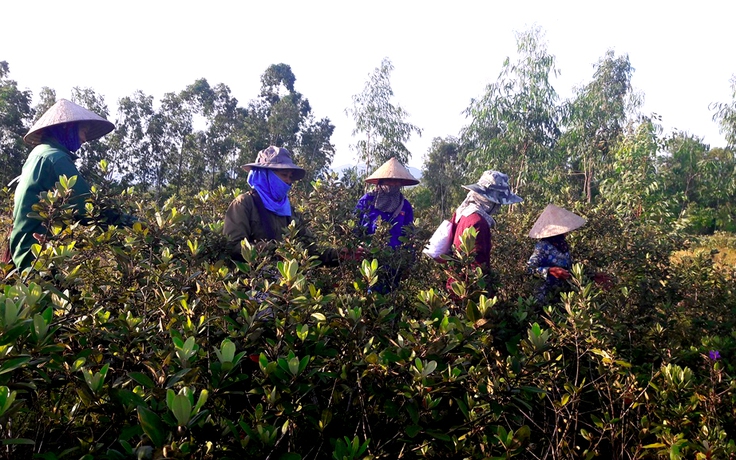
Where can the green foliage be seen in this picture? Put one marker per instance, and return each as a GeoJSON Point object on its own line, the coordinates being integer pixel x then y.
{"type": "Point", "coordinates": [596, 119]}
{"type": "Point", "coordinates": [725, 115]}
{"type": "Point", "coordinates": [15, 113]}
{"type": "Point", "coordinates": [442, 176]}
{"type": "Point", "coordinates": [514, 126]}
{"type": "Point", "coordinates": [147, 342]}
{"type": "Point", "coordinates": [282, 116]}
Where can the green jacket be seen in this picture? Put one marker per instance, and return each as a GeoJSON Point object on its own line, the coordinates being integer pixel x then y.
{"type": "Point", "coordinates": [243, 221]}
{"type": "Point", "coordinates": [40, 173]}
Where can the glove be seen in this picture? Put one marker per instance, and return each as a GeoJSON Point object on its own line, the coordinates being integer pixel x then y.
{"type": "Point", "coordinates": [559, 273]}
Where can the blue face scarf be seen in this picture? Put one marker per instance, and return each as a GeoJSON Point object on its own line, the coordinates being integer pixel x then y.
{"type": "Point", "coordinates": [272, 190]}
{"type": "Point", "coordinates": [67, 134]}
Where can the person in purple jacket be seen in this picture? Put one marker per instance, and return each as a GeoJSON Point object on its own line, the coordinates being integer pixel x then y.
{"type": "Point", "coordinates": [386, 203]}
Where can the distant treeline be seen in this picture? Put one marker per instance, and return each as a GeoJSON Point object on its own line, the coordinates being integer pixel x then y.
{"type": "Point", "coordinates": [597, 143]}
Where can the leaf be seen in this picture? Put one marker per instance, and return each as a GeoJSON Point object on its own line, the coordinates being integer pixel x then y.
{"type": "Point", "coordinates": [203, 395]}
{"type": "Point", "coordinates": [13, 364]}
{"type": "Point", "coordinates": [181, 408]}
{"type": "Point", "coordinates": [413, 430]}
{"type": "Point", "coordinates": [656, 445]}
{"type": "Point", "coordinates": [294, 366]}
{"type": "Point", "coordinates": [439, 435]}
{"type": "Point", "coordinates": [152, 426]}
{"type": "Point", "coordinates": [21, 441]}
{"type": "Point", "coordinates": [472, 312]}
{"type": "Point", "coordinates": [142, 379]}
{"type": "Point", "coordinates": [302, 330]}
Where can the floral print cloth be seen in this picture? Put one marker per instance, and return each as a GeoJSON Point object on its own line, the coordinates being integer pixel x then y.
{"type": "Point", "coordinates": [546, 256]}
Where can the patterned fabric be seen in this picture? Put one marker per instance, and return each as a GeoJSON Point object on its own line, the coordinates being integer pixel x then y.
{"type": "Point", "coordinates": [369, 216]}
{"type": "Point", "coordinates": [545, 256]}
{"type": "Point", "coordinates": [495, 186]}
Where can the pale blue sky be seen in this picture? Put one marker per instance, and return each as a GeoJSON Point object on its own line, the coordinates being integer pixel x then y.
{"type": "Point", "coordinates": [444, 52]}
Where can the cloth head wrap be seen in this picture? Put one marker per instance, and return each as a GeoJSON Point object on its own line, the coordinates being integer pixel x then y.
{"type": "Point", "coordinates": [477, 203]}
{"type": "Point", "coordinates": [67, 134]}
{"type": "Point", "coordinates": [272, 190]}
{"type": "Point", "coordinates": [388, 198]}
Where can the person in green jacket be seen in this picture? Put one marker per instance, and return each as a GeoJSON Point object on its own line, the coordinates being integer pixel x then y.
{"type": "Point", "coordinates": [263, 213]}
{"type": "Point", "coordinates": [59, 132]}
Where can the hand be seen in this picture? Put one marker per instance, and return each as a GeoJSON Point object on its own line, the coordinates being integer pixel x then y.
{"type": "Point", "coordinates": [559, 273]}
{"type": "Point", "coordinates": [356, 254]}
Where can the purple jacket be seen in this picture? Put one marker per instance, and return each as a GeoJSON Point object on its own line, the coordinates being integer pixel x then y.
{"type": "Point", "coordinates": [369, 217]}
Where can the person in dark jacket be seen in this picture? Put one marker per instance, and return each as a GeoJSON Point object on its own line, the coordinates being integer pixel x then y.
{"type": "Point", "coordinates": [59, 132]}
{"type": "Point", "coordinates": [386, 203]}
{"type": "Point", "coordinates": [263, 213]}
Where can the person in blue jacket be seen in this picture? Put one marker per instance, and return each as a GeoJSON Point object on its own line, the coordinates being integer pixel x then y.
{"type": "Point", "coordinates": [386, 203]}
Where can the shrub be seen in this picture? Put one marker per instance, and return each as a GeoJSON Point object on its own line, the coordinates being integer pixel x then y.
{"type": "Point", "coordinates": [148, 342]}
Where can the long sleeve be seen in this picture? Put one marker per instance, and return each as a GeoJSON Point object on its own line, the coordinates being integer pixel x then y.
{"type": "Point", "coordinates": [237, 223]}
{"type": "Point", "coordinates": [537, 262]}
{"type": "Point", "coordinates": [482, 240]}
{"type": "Point", "coordinates": [545, 256]}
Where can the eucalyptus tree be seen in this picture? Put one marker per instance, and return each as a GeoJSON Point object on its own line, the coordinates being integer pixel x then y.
{"type": "Point", "coordinates": [15, 117]}
{"type": "Point", "coordinates": [442, 174]}
{"type": "Point", "coordinates": [702, 180]}
{"type": "Point", "coordinates": [148, 144]}
{"type": "Point", "coordinates": [173, 125]}
{"type": "Point", "coordinates": [215, 148]}
{"type": "Point", "coordinates": [283, 117]}
{"type": "Point", "coordinates": [133, 157]}
{"type": "Point", "coordinates": [381, 125]}
{"type": "Point", "coordinates": [90, 153]}
{"type": "Point", "coordinates": [719, 173]}
{"type": "Point", "coordinates": [634, 187]}
{"type": "Point", "coordinates": [596, 118]}
{"type": "Point", "coordinates": [46, 98]}
{"type": "Point", "coordinates": [725, 115]}
{"type": "Point", "coordinates": [681, 165]}
{"type": "Point", "coordinates": [514, 126]}
{"type": "Point", "coordinates": [316, 151]}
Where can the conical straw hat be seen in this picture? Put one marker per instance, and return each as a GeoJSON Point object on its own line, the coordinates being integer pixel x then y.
{"type": "Point", "coordinates": [394, 170]}
{"type": "Point", "coordinates": [555, 221]}
{"type": "Point", "coordinates": [65, 111]}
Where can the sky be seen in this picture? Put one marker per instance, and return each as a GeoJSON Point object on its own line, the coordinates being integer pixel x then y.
{"type": "Point", "coordinates": [444, 52]}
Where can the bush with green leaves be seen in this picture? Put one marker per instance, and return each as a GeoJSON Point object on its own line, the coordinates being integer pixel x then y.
{"type": "Point", "coordinates": [149, 342]}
